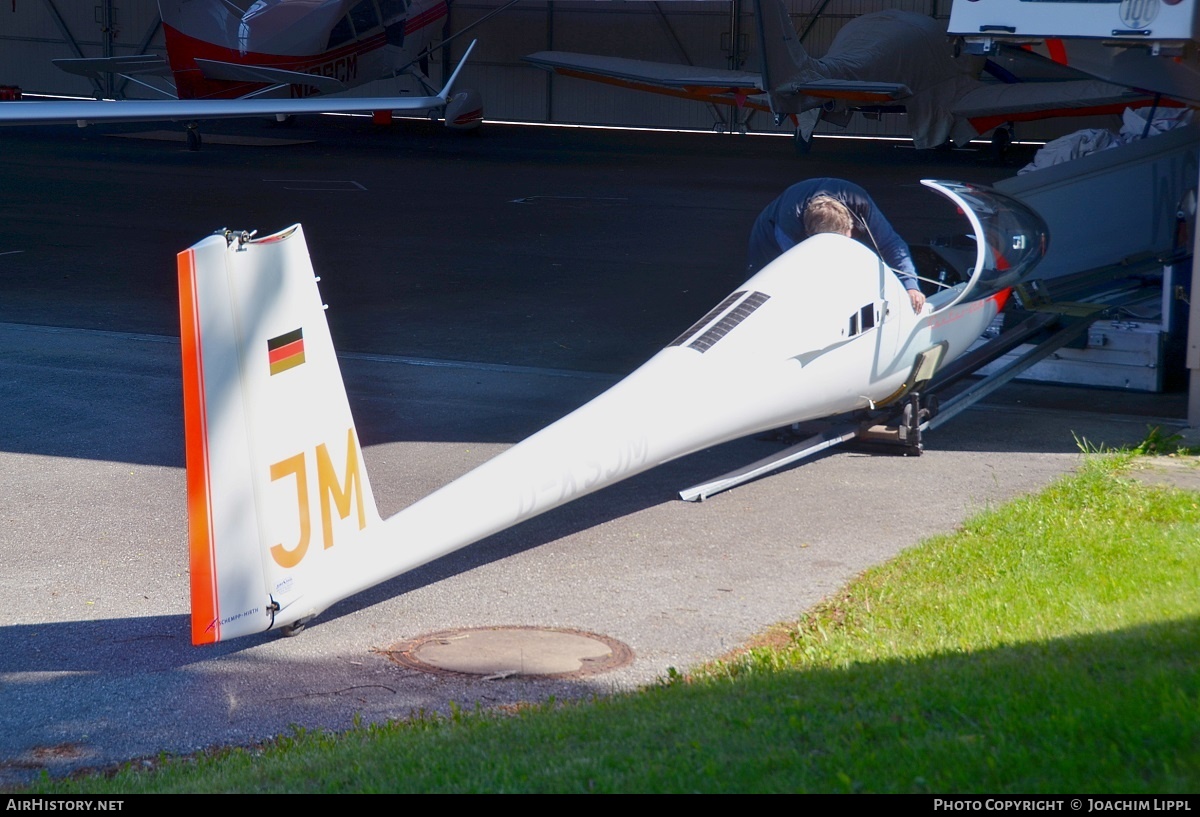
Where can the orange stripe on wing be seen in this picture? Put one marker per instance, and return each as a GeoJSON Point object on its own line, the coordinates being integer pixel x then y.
{"type": "Point", "coordinates": [983, 124]}
{"type": "Point", "coordinates": [718, 95]}
{"type": "Point", "coordinates": [206, 626]}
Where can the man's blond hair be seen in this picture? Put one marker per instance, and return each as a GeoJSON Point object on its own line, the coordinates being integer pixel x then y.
{"type": "Point", "coordinates": [825, 214]}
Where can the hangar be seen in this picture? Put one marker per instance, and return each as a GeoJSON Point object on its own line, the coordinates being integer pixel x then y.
{"type": "Point", "coordinates": [704, 33]}
{"type": "Point", "coordinates": [483, 231]}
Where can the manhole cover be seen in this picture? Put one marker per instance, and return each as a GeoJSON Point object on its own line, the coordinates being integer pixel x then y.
{"type": "Point", "coordinates": [502, 652]}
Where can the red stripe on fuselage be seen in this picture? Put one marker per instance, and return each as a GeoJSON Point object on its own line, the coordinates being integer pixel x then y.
{"type": "Point", "coordinates": [183, 51]}
{"type": "Point", "coordinates": [955, 313]}
{"type": "Point", "coordinates": [425, 18]}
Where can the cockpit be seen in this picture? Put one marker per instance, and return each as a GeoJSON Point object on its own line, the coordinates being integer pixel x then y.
{"type": "Point", "coordinates": [1008, 239]}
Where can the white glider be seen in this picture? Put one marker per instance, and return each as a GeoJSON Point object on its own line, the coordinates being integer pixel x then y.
{"type": "Point", "coordinates": [282, 519]}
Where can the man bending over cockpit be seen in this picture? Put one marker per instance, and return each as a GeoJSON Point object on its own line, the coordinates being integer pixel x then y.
{"type": "Point", "coordinates": [830, 206]}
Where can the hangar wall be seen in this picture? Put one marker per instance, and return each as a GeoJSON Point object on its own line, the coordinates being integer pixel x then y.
{"type": "Point", "coordinates": [32, 32]}
{"type": "Point", "coordinates": [695, 33]}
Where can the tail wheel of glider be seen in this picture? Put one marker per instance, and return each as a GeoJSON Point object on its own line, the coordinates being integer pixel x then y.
{"type": "Point", "coordinates": [295, 628]}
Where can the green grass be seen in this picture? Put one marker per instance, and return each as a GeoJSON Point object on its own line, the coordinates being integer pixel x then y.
{"type": "Point", "coordinates": [1050, 645]}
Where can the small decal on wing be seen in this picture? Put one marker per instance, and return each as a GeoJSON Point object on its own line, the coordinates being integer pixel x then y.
{"type": "Point", "coordinates": [286, 351]}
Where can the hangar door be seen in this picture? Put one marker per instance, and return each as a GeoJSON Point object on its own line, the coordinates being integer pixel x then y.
{"type": "Point", "coordinates": [710, 33]}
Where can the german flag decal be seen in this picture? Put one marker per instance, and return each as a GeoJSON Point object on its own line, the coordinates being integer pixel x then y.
{"type": "Point", "coordinates": [286, 351]}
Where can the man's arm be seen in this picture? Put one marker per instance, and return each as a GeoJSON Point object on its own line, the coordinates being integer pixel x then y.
{"type": "Point", "coordinates": [896, 254]}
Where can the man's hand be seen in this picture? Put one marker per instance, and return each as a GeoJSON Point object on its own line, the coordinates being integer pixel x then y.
{"type": "Point", "coordinates": [918, 299]}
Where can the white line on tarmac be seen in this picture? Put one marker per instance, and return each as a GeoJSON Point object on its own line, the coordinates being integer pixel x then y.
{"type": "Point", "coordinates": [321, 185]}
{"type": "Point", "coordinates": [547, 372]}
{"type": "Point", "coordinates": [374, 358]}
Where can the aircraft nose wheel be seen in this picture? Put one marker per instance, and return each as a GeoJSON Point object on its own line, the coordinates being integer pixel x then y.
{"type": "Point", "coordinates": [929, 407]}
{"type": "Point", "coordinates": [899, 432]}
{"type": "Point", "coordinates": [908, 431]}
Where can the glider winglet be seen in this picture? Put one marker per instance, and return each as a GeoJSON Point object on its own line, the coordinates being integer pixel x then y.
{"type": "Point", "coordinates": [445, 94]}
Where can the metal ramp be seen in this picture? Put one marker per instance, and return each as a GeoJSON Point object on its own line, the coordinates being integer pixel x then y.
{"type": "Point", "coordinates": [1086, 204]}
{"type": "Point", "coordinates": [1047, 326]}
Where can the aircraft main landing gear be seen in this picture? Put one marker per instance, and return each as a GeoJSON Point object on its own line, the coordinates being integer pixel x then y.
{"type": "Point", "coordinates": [903, 435]}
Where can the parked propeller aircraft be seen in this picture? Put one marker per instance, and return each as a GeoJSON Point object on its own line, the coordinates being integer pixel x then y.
{"type": "Point", "coordinates": [282, 518]}
{"type": "Point", "coordinates": [277, 58]}
{"type": "Point", "coordinates": [888, 61]}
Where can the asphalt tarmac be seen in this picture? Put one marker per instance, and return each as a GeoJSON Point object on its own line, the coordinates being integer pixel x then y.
{"type": "Point", "coordinates": [479, 287]}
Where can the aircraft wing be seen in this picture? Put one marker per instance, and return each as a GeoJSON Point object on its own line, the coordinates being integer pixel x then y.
{"type": "Point", "coordinates": [994, 103]}
{"type": "Point", "coordinates": [658, 77]}
{"type": "Point", "coordinates": [86, 112]}
{"type": "Point", "coordinates": [94, 67]}
{"type": "Point", "coordinates": [853, 91]}
{"type": "Point", "coordinates": [1012, 63]}
{"type": "Point", "coordinates": [232, 72]}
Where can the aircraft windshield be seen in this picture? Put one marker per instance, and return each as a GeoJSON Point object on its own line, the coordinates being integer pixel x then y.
{"type": "Point", "coordinates": [1010, 238]}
